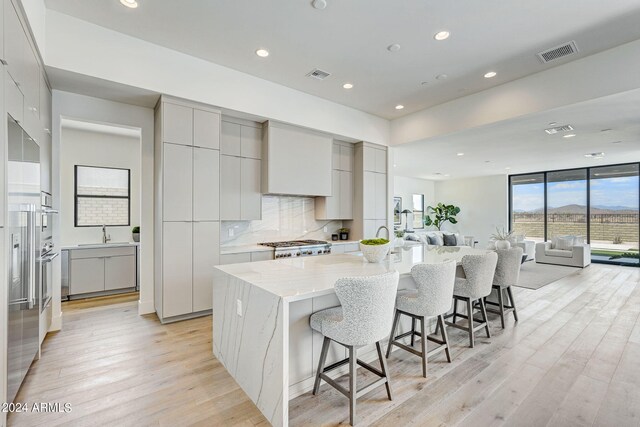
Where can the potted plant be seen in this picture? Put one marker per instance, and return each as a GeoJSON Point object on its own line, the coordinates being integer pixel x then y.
{"type": "Point", "coordinates": [135, 232]}
{"type": "Point", "coordinates": [375, 250]}
{"type": "Point", "coordinates": [399, 238]}
{"type": "Point", "coordinates": [441, 214]}
{"type": "Point", "coordinates": [344, 233]}
{"type": "Point", "coordinates": [501, 238]}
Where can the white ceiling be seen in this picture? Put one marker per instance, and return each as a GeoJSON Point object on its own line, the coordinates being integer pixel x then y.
{"type": "Point", "coordinates": [523, 146]}
{"type": "Point", "coordinates": [349, 40]}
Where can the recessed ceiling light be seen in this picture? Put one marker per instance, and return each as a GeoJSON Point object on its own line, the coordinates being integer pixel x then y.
{"type": "Point", "coordinates": [508, 168]}
{"type": "Point", "coordinates": [490, 74]}
{"type": "Point", "coordinates": [441, 76]}
{"type": "Point", "coordinates": [447, 174]}
{"type": "Point", "coordinates": [393, 47]}
{"type": "Point", "coordinates": [395, 166]}
{"type": "Point", "coordinates": [319, 4]}
{"type": "Point", "coordinates": [441, 35]}
{"type": "Point", "coordinates": [129, 3]}
{"type": "Point", "coordinates": [424, 83]}
{"type": "Point", "coordinates": [347, 86]}
{"type": "Point", "coordinates": [553, 123]}
{"type": "Point", "coordinates": [616, 142]}
{"type": "Point", "coordinates": [569, 135]}
{"type": "Point", "coordinates": [399, 107]}
{"type": "Point", "coordinates": [606, 130]}
{"type": "Point", "coordinates": [262, 53]}
{"type": "Point", "coordinates": [598, 155]}
{"type": "Point", "coordinates": [487, 161]}
{"type": "Point", "coordinates": [460, 154]}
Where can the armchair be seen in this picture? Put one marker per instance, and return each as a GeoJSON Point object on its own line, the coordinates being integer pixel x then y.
{"type": "Point", "coordinates": [578, 256]}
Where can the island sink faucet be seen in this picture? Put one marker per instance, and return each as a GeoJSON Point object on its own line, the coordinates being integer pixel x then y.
{"type": "Point", "coordinates": [383, 227]}
{"type": "Point", "coordinates": [105, 237]}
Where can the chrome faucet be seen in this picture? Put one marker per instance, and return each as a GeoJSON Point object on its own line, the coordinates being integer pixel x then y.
{"type": "Point", "coordinates": [105, 236]}
{"type": "Point", "coordinates": [388, 232]}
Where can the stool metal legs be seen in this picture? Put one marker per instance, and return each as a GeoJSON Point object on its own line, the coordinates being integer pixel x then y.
{"type": "Point", "coordinates": [474, 324]}
{"type": "Point", "coordinates": [423, 353]}
{"type": "Point", "coordinates": [352, 393]}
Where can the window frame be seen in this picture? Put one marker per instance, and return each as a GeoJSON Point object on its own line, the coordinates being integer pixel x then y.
{"type": "Point", "coordinates": [76, 196]}
{"type": "Point", "coordinates": [413, 211]}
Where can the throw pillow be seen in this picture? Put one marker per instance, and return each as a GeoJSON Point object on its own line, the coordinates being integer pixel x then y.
{"type": "Point", "coordinates": [432, 240]}
{"type": "Point", "coordinates": [564, 243]}
{"type": "Point", "coordinates": [460, 240]}
{"type": "Point", "coordinates": [449, 239]}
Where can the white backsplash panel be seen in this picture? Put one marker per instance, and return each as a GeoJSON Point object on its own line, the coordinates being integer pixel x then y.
{"type": "Point", "coordinates": [283, 218]}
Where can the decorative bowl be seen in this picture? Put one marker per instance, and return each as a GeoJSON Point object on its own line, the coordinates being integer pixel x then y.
{"type": "Point", "coordinates": [375, 253]}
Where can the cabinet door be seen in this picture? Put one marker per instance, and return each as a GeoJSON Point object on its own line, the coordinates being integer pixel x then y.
{"type": "Point", "coordinates": [206, 129]}
{"type": "Point", "coordinates": [261, 256]}
{"type": "Point", "coordinates": [177, 192]}
{"type": "Point", "coordinates": [206, 184]}
{"type": "Point", "coordinates": [230, 188]}
{"type": "Point", "coordinates": [86, 275]}
{"type": "Point", "coordinates": [370, 229]}
{"type": "Point", "coordinates": [206, 254]}
{"type": "Point", "coordinates": [250, 189]}
{"type": "Point", "coordinates": [14, 101]}
{"type": "Point", "coordinates": [346, 195]}
{"type": "Point", "coordinates": [235, 258]}
{"type": "Point", "coordinates": [335, 156]}
{"type": "Point", "coordinates": [177, 124]}
{"type": "Point", "coordinates": [15, 42]}
{"type": "Point", "coordinates": [45, 105]}
{"type": "Point", "coordinates": [251, 142]}
{"type": "Point", "coordinates": [45, 163]}
{"type": "Point", "coordinates": [369, 161]}
{"type": "Point", "coordinates": [332, 203]}
{"type": "Point", "coordinates": [119, 272]}
{"type": "Point", "coordinates": [31, 91]}
{"type": "Point", "coordinates": [369, 195]}
{"type": "Point", "coordinates": [177, 274]}
{"type": "Point", "coordinates": [381, 161]}
{"type": "Point", "coordinates": [230, 139]}
{"type": "Point", "coordinates": [346, 158]}
{"type": "Point", "coordinates": [381, 195]}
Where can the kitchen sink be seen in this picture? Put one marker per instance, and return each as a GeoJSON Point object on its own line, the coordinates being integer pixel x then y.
{"type": "Point", "coordinates": [106, 244]}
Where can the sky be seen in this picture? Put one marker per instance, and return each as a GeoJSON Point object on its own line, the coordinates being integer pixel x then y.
{"type": "Point", "coordinates": [604, 192]}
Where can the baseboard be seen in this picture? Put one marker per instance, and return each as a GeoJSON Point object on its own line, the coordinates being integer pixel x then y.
{"type": "Point", "coordinates": [56, 322]}
{"type": "Point", "coordinates": [146, 307]}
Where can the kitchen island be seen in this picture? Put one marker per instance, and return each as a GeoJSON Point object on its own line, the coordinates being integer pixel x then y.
{"type": "Point", "coordinates": [261, 310]}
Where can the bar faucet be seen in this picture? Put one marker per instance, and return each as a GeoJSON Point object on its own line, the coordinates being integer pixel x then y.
{"type": "Point", "coordinates": [388, 232]}
{"type": "Point", "coordinates": [105, 237]}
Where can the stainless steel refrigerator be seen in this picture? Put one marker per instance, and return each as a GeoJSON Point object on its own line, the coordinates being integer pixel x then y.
{"type": "Point", "coordinates": [24, 255]}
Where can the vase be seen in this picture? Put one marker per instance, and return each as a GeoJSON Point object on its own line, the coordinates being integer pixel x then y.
{"type": "Point", "coordinates": [136, 237]}
{"type": "Point", "coordinates": [503, 245]}
{"type": "Point", "coordinates": [375, 253]}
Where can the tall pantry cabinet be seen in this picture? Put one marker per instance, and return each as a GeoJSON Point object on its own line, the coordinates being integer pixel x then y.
{"type": "Point", "coordinates": [187, 213]}
{"type": "Point", "coordinates": [371, 198]}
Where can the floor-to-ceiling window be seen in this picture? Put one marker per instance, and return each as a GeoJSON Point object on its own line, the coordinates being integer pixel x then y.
{"type": "Point", "coordinates": [600, 204]}
{"type": "Point", "coordinates": [614, 230]}
{"type": "Point", "coordinates": [527, 206]}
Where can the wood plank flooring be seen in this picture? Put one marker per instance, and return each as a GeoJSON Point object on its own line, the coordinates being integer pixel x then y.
{"type": "Point", "coordinates": [572, 360]}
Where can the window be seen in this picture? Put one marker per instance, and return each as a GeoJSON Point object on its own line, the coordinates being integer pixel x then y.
{"type": "Point", "coordinates": [418, 211]}
{"type": "Point", "coordinates": [102, 196]}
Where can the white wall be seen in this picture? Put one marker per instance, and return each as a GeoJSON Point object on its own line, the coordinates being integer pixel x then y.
{"type": "Point", "coordinates": [80, 147]}
{"type": "Point", "coordinates": [483, 202]}
{"type": "Point", "coordinates": [406, 187]}
{"type": "Point", "coordinates": [86, 108]}
{"type": "Point", "coordinates": [85, 48]}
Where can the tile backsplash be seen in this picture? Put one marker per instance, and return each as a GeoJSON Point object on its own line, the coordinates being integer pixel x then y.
{"type": "Point", "coordinates": [283, 218]}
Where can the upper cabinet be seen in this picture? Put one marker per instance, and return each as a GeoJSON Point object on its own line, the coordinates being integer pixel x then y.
{"type": "Point", "coordinates": [15, 44]}
{"type": "Point", "coordinates": [340, 204]}
{"type": "Point", "coordinates": [241, 138]}
{"type": "Point", "coordinates": [206, 129]}
{"type": "Point", "coordinates": [296, 161]}
{"type": "Point", "coordinates": [375, 160]}
{"type": "Point", "coordinates": [177, 124]}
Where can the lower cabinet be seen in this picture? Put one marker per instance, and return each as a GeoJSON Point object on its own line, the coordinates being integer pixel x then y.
{"type": "Point", "coordinates": [246, 257]}
{"type": "Point", "coordinates": [190, 250]}
{"type": "Point", "coordinates": [101, 269]}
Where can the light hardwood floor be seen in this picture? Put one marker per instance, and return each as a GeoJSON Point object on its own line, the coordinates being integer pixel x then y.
{"type": "Point", "coordinates": [572, 360]}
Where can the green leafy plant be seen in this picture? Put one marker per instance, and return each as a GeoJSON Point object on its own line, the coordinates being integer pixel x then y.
{"type": "Point", "coordinates": [343, 230]}
{"type": "Point", "coordinates": [441, 213]}
{"type": "Point", "coordinates": [136, 229]}
{"type": "Point", "coordinates": [374, 242]}
{"type": "Point", "coordinates": [399, 233]}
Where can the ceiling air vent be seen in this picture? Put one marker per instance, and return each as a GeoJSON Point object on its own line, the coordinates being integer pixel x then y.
{"type": "Point", "coordinates": [558, 52]}
{"type": "Point", "coordinates": [318, 74]}
{"type": "Point", "coordinates": [557, 129]}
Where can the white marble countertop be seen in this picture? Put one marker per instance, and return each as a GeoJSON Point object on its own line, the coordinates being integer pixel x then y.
{"type": "Point", "coordinates": [343, 242]}
{"type": "Point", "coordinates": [302, 278]}
{"type": "Point", "coordinates": [239, 249]}
{"type": "Point", "coordinates": [99, 245]}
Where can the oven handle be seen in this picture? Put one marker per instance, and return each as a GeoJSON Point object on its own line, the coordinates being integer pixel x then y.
{"type": "Point", "coordinates": [46, 211]}
{"type": "Point", "coordinates": [49, 258]}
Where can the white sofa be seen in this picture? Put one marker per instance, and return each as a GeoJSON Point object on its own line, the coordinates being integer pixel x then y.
{"type": "Point", "coordinates": [577, 254]}
{"type": "Point", "coordinates": [438, 235]}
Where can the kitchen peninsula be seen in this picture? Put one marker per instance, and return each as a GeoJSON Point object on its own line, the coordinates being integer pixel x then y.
{"type": "Point", "coordinates": [261, 310]}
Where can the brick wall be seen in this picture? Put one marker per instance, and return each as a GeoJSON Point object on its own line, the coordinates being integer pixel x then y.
{"type": "Point", "coordinates": [98, 211]}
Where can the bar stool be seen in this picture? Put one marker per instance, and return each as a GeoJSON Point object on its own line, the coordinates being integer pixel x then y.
{"type": "Point", "coordinates": [472, 290]}
{"type": "Point", "coordinates": [507, 274]}
{"type": "Point", "coordinates": [364, 318]}
{"type": "Point", "coordinates": [432, 298]}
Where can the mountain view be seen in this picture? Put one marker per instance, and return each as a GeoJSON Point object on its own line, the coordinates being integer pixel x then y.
{"type": "Point", "coordinates": [578, 209]}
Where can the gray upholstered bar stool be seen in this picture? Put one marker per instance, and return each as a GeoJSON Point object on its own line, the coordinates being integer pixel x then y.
{"type": "Point", "coordinates": [431, 298]}
{"type": "Point", "coordinates": [507, 275]}
{"type": "Point", "coordinates": [472, 290]}
{"type": "Point", "coordinates": [364, 318]}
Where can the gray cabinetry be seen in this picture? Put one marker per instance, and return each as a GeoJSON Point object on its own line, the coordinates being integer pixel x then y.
{"type": "Point", "coordinates": [86, 276]}
{"type": "Point", "coordinates": [206, 184]}
{"type": "Point", "coordinates": [177, 124]}
{"type": "Point", "coordinates": [206, 129]}
{"type": "Point", "coordinates": [177, 183]}
{"type": "Point", "coordinates": [340, 204]}
{"type": "Point", "coordinates": [102, 268]}
{"type": "Point", "coordinates": [119, 272]}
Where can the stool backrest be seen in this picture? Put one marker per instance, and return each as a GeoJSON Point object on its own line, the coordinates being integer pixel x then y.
{"type": "Point", "coordinates": [508, 267]}
{"type": "Point", "coordinates": [435, 286]}
{"type": "Point", "coordinates": [479, 270]}
{"type": "Point", "coordinates": [368, 304]}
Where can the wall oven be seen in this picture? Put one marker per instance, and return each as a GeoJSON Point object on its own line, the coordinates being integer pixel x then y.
{"type": "Point", "coordinates": [47, 250]}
